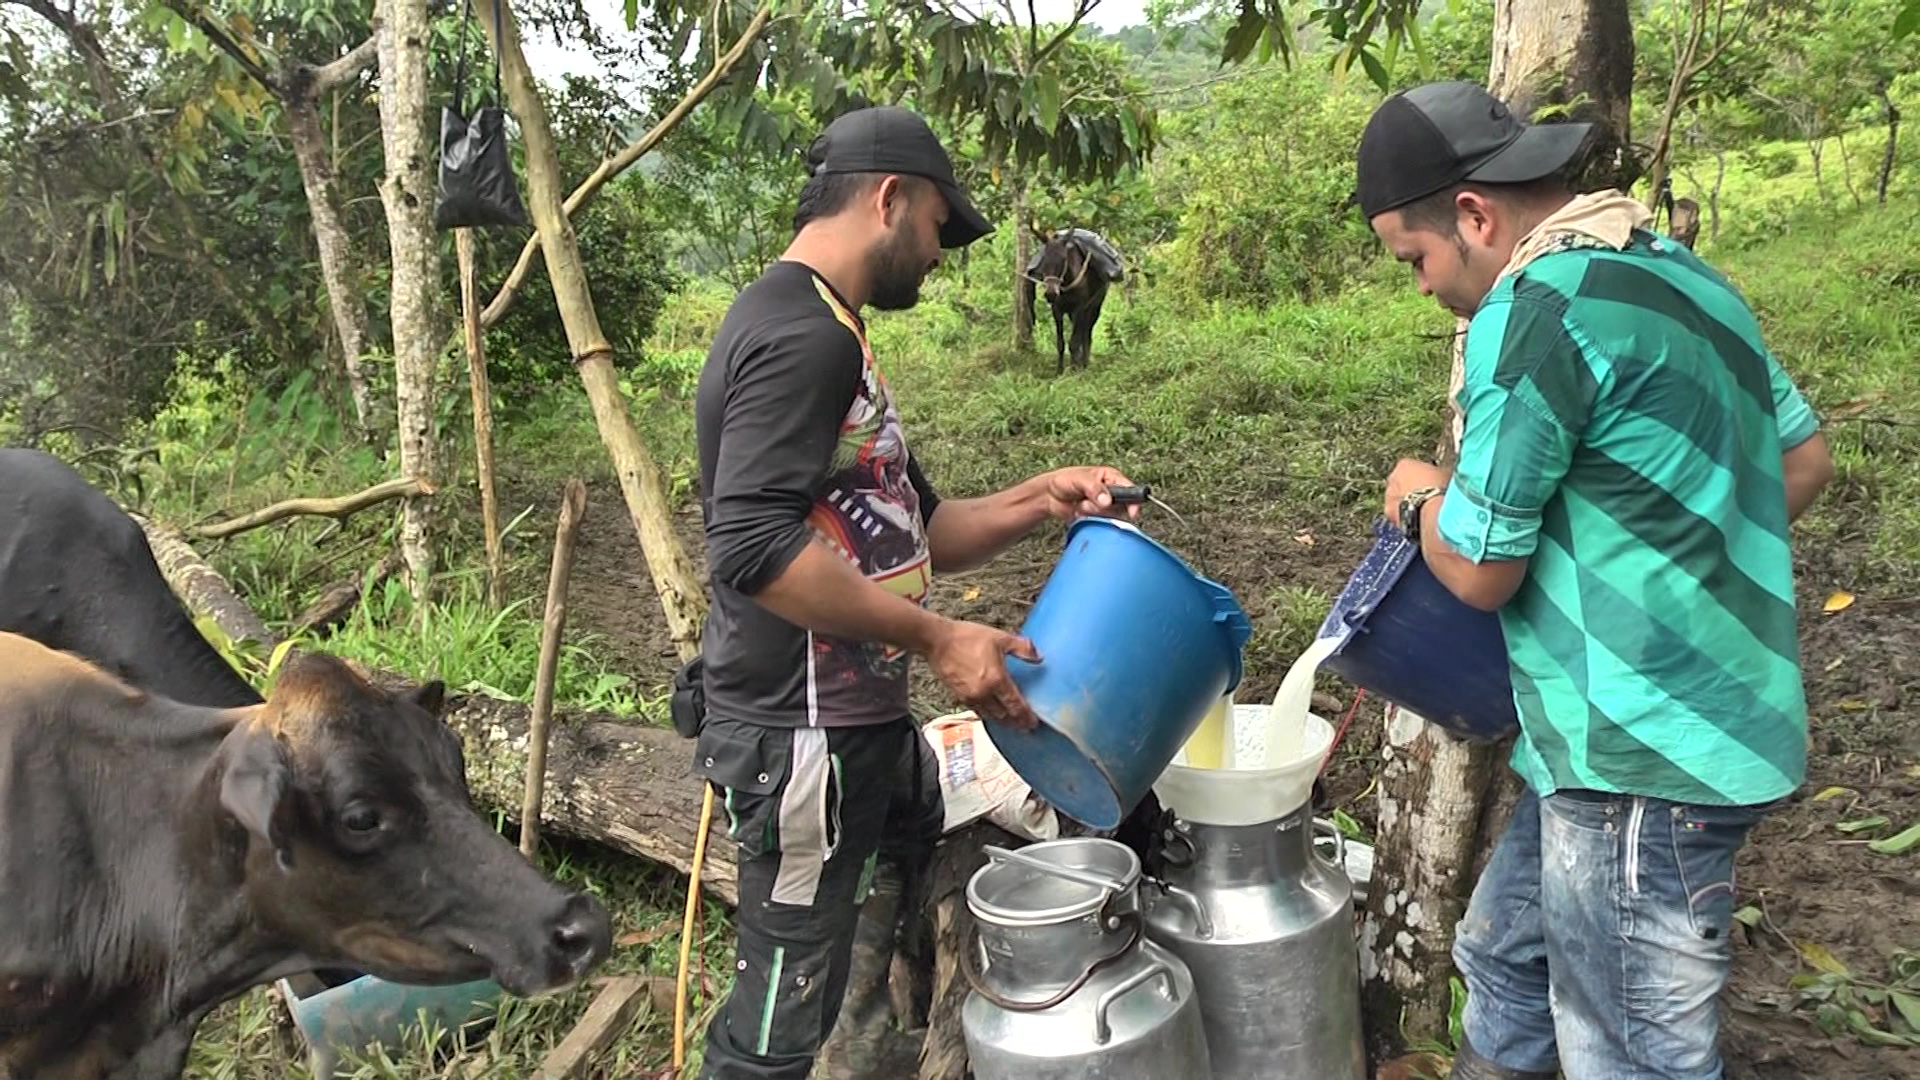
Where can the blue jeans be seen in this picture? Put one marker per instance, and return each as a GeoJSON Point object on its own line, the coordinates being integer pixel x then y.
{"type": "Point", "coordinates": [1597, 940]}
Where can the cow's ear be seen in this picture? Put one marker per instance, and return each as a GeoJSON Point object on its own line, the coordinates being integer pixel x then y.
{"type": "Point", "coordinates": [431, 697]}
{"type": "Point", "coordinates": [255, 784]}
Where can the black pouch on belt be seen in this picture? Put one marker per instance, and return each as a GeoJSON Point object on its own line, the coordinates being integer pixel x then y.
{"type": "Point", "coordinates": [688, 705]}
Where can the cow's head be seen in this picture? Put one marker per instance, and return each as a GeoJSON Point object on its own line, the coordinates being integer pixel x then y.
{"type": "Point", "coordinates": [365, 851]}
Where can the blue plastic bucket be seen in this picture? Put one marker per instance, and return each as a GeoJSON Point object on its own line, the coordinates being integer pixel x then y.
{"type": "Point", "coordinates": [1134, 648]}
{"type": "Point", "coordinates": [1414, 643]}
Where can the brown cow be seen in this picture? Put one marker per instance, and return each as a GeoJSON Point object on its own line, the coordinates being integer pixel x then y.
{"type": "Point", "coordinates": [157, 859]}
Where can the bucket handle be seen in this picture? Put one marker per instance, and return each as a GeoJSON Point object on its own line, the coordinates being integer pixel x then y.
{"type": "Point", "coordinates": [1339, 860]}
{"type": "Point", "coordinates": [1102, 1028]}
{"type": "Point", "coordinates": [1000, 854]}
{"type": "Point", "coordinates": [970, 969]}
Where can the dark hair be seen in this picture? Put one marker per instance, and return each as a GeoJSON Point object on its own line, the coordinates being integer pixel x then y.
{"type": "Point", "coordinates": [826, 194]}
{"type": "Point", "coordinates": [1436, 213]}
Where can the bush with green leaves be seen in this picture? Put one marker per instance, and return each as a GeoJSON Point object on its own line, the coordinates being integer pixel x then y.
{"type": "Point", "coordinates": [1260, 180]}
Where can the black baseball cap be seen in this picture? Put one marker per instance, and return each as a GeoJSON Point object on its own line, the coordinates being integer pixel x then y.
{"type": "Point", "coordinates": [889, 139]}
{"type": "Point", "coordinates": [1432, 137]}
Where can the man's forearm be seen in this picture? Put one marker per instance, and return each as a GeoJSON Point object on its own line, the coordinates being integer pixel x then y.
{"type": "Point", "coordinates": [965, 533]}
{"type": "Point", "coordinates": [822, 592]}
{"type": "Point", "coordinates": [1807, 469]}
{"type": "Point", "coordinates": [1483, 585]}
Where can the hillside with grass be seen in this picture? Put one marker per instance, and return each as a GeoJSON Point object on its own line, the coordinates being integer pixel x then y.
{"type": "Point", "coordinates": [1263, 367]}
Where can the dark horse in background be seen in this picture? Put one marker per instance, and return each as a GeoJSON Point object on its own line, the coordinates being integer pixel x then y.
{"type": "Point", "coordinates": [1076, 267]}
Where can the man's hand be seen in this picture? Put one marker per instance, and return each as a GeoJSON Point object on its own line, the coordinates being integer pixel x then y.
{"type": "Point", "coordinates": [1410, 475]}
{"type": "Point", "coordinates": [1081, 491]}
{"type": "Point", "coordinates": [971, 659]}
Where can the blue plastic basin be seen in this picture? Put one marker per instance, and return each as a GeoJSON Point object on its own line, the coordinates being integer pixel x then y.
{"type": "Point", "coordinates": [1135, 648]}
{"type": "Point", "coordinates": [1417, 645]}
{"type": "Point", "coordinates": [336, 1020]}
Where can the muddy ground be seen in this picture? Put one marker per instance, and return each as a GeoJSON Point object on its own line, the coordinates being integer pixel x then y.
{"type": "Point", "coordinates": [1814, 884]}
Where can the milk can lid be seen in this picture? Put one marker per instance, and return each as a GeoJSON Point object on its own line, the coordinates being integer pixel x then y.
{"type": "Point", "coordinates": [1056, 881]}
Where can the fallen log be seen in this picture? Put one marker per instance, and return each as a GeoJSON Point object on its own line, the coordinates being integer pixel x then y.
{"type": "Point", "coordinates": [338, 507]}
{"type": "Point", "coordinates": [200, 586]}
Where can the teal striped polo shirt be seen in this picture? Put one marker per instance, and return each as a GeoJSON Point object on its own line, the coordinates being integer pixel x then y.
{"type": "Point", "coordinates": [1624, 426]}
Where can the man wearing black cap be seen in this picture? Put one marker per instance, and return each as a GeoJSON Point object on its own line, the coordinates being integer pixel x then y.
{"type": "Point", "coordinates": [1630, 458]}
{"type": "Point", "coordinates": [822, 538]}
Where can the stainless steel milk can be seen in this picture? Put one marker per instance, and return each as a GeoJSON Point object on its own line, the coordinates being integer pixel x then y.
{"type": "Point", "coordinates": [1265, 925]}
{"type": "Point", "coordinates": [1065, 983]}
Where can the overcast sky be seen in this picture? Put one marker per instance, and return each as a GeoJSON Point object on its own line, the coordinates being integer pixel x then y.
{"type": "Point", "coordinates": [550, 62]}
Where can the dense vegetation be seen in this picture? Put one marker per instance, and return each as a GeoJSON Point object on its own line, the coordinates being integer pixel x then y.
{"type": "Point", "coordinates": [167, 327]}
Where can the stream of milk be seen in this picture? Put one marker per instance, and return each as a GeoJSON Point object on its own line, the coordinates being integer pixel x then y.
{"type": "Point", "coordinates": [1286, 721]}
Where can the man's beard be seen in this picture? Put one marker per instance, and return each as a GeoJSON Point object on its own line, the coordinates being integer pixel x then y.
{"type": "Point", "coordinates": [896, 277]}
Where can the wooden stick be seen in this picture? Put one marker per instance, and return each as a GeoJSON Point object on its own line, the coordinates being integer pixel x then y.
{"type": "Point", "coordinates": [339, 507]}
{"type": "Point", "coordinates": [573, 506]}
{"type": "Point", "coordinates": [597, 1030]}
{"type": "Point", "coordinates": [482, 419]}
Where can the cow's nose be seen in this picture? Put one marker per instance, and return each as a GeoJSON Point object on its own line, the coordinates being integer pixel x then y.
{"type": "Point", "coordinates": [582, 935]}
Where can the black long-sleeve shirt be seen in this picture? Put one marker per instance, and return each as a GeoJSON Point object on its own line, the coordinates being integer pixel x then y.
{"type": "Point", "coordinates": [799, 440]}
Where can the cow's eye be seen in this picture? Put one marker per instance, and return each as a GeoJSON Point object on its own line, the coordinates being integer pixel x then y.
{"type": "Point", "coordinates": [360, 819]}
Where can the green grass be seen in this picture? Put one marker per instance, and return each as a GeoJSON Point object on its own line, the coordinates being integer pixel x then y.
{"type": "Point", "coordinates": [1285, 420]}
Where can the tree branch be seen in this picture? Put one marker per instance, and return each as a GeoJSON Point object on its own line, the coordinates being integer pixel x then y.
{"type": "Point", "coordinates": [619, 163]}
{"type": "Point", "coordinates": [335, 508]}
{"type": "Point", "coordinates": [219, 36]}
{"type": "Point", "coordinates": [84, 42]}
{"type": "Point", "coordinates": [1080, 11]}
{"type": "Point", "coordinates": [339, 72]}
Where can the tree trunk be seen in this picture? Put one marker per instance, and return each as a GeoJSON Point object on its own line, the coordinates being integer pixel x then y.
{"type": "Point", "coordinates": [1022, 251]}
{"type": "Point", "coordinates": [482, 419]}
{"type": "Point", "coordinates": [1713, 197]}
{"type": "Point", "coordinates": [337, 267]}
{"type": "Point", "coordinates": [1432, 791]}
{"type": "Point", "coordinates": [681, 594]}
{"type": "Point", "coordinates": [1893, 143]}
{"type": "Point", "coordinates": [1552, 52]}
{"type": "Point", "coordinates": [403, 29]}
{"type": "Point", "coordinates": [1443, 801]}
{"type": "Point", "coordinates": [1677, 87]}
{"type": "Point", "coordinates": [1846, 169]}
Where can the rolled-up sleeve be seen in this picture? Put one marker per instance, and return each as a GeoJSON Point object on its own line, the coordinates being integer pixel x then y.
{"type": "Point", "coordinates": [1526, 394]}
{"type": "Point", "coordinates": [787, 394]}
{"type": "Point", "coordinates": [1791, 413]}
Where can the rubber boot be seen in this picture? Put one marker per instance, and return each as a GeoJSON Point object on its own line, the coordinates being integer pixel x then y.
{"type": "Point", "coordinates": [1469, 1065]}
{"type": "Point", "coordinates": [859, 1042]}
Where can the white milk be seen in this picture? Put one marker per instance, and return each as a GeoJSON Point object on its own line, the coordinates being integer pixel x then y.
{"type": "Point", "coordinates": [1281, 742]}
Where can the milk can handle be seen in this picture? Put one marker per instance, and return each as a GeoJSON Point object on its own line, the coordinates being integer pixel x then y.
{"type": "Point", "coordinates": [1339, 860]}
{"type": "Point", "coordinates": [1201, 924]}
{"type": "Point", "coordinates": [1102, 1030]}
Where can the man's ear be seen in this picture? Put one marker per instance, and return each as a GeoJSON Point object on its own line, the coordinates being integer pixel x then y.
{"type": "Point", "coordinates": [254, 786]}
{"type": "Point", "coordinates": [1475, 214]}
{"type": "Point", "coordinates": [431, 697]}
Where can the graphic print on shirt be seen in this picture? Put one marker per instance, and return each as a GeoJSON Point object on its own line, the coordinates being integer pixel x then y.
{"type": "Point", "coordinates": [870, 513]}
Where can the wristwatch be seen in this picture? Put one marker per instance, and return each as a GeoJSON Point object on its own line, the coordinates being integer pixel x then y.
{"type": "Point", "coordinates": [1410, 505]}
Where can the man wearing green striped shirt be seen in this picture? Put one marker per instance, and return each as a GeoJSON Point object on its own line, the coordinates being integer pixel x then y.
{"type": "Point", "coordinates": [1630, 457]}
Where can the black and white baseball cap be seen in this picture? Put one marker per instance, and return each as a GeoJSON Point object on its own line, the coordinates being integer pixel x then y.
{"type": "Point", "coordinates": [889, 139]}
{"type": "Point", "coordinates": [1432, 137]}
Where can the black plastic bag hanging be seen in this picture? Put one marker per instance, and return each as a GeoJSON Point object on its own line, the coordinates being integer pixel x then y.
{"type": "Point", "coordinates": [477, 186]}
